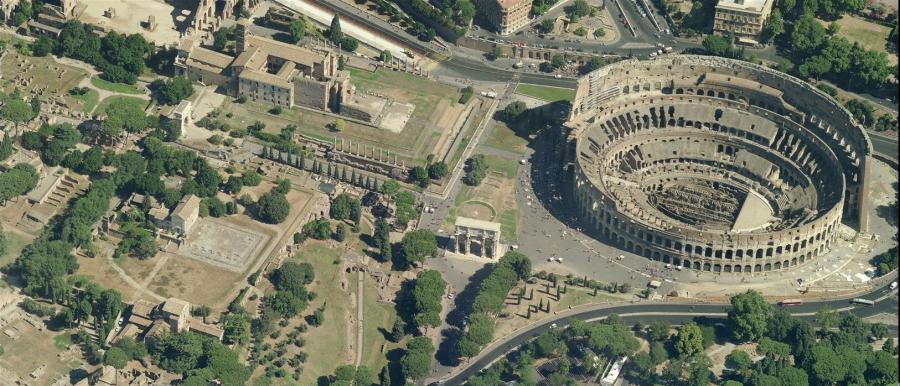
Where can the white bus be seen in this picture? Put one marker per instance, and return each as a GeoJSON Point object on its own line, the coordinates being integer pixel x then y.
{"type": "Point", "coordinates": [863, 301]}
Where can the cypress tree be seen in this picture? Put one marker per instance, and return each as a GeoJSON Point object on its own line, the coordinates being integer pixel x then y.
{"type": "Point", "coordinates": [6, 148]}
{"type": "Point", "coordinates": [334, 32]}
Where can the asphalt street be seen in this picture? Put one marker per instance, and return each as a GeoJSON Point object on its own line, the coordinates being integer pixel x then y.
{"type": "Point", "coordinates": [673, 313]}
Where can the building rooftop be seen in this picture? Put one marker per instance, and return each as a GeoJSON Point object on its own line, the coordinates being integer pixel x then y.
{"type": "Point", "coordinates": [296, 54]}
{"type": "Point", "coordinates": [206, 329]}
{"type": "Point", "coordinates": [187, 207]}
{"type": "Point", "coordinates": [210, 58]}
{"type": "Point", "coordinates": [744, 5]}
{"type": "Point", "coordinates": [480, 224]}
{"type": "Point", "coordinates": [176, 306]}
{"type": "Point", "coordinates": [506, 4]}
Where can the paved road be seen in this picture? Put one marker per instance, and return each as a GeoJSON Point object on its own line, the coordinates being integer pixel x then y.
{"type": "Point", "coordinates": [674, 313]}
{"type": "Point", "coordinates": [884, 145]}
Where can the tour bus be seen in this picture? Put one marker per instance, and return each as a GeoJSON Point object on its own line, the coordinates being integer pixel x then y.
{"type": "Point", "coordinates": [790, 302]}
{"type": "Point", "coordinates": [863, 301]}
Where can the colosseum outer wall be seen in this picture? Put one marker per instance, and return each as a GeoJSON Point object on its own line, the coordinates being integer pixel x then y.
{"type": "Point", "coordinates": [816, 122]}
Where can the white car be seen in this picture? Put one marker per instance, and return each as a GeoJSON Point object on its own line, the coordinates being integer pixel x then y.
{"type": "Point", "coordinates": [558, 76]}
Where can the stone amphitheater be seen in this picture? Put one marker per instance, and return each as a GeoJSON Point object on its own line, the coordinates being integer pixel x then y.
{"type": "Point", "coordinates": [715, 164]}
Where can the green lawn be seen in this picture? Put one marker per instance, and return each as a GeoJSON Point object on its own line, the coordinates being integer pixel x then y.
{"type": "Point", "coordinates": [88, 100]}
{"type": "Point", "coordinates": [504, 138]}
{"type": "Point", "coordinates": [116, 87]}
{"type": "Point", "coordinates": [379, 316]}
{"type": "Point", "coordinates": [62, 341]}
{"type": "Point", "coordinates": [870, 35]}
{"type": "Point", "coordinates": [508, 226]}
{"type": "Point", "coordinates": [325, 344]}
{"type": "Point", "coordinates": [14, 245]}
{"type": "Point", "coordinates": [505, 166]}
{"type": "Point", "coordinates": [550, 94]}
{"type": "Point", "coordinates": [104, 104]}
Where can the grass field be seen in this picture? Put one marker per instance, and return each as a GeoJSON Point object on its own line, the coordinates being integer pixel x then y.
{"type": "Point", "coordinates": [14, 245]}
{"type": "Point", "coordinates": [88, 100]}
{"type": "Point", "coordinates": [868, 34]}
{"type": "Point", "coordinates": [116, 87]}
{"type": "Point", "coordinates": [327, 344]}
{"type": "Point", "coordinates": [379, 316]}
{"type": "Point", "coordinates": [104, 104]}
{"type": "Point", "coordinates": [503, 138]}
{"type": "Point", "coordinates": [505, 166]}
{"type": "Point", "coordinates": [550, 94]}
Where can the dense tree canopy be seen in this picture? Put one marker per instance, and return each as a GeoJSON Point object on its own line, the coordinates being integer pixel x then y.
{"type": "Point", "coordinates": [272, 208]}
{"type": "Point", "coordinates": [748, 316]}
{"type": "Point", "coordinates": [417, 245]}
{"type": "Point", "coordinates": [17, 181]}
{"type": "Point", "coordinates": [427, 294]}
{"type": "Point", "coordinates": [173, 90]}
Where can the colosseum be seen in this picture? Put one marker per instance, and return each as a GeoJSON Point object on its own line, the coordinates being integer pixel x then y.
{"type": "Point", "coordinates": [715, 164]}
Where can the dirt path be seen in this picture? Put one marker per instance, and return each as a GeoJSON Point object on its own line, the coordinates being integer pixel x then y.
{"type": "Point", "coordinates": [360, 299]}
{"type": "Point", "coordinates": [160, 262]}
{"type": "Point", "coordinates": [128, 279]}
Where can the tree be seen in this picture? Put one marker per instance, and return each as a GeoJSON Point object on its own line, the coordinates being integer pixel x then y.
{"type": "Point", "coordinates": [339, 125]}
{"type": "Point", "coordinates": [882, 369]}
{"type": "Point", "coordinates": [417, 245]}
{"type": "Point", "coordinates": [578, 9]}
{"type": "Point", "coordinates": [398, 330]}
{"type": "Point", "coordinates": [386, 56]}
{"type": "Point", "coordinates": [419, 175]}
{"type": "Point", "coordinates": [297, 29]}
{"type": "Point", "coordinates": [22, 13]}
{"type": "Point", "coordinates": [513, 111]}
{"type": "Point", "coordinates": [739, 362]}
{"type": "Point", "coordinates": [345, 207]}
{"type": "Point", "coordinates": [389, 187]}
{"type": "Point", "coordinates": [689, 341]}
{"type": "Point", "coordinates": [122, 114]}
{"type": "Point", "coordinates": [251, 178]}
{"type": "Point", "coordinates": [827, 367]}
{"type": "Point", "coordinates": [792, 376]}
{"type": "Point", "coordinates": [340, 232]}
{"type": "Point", "coordinates": [15, 109]}
{"type": "Point", "coordinates": [292, 276]}
{"type": "Point", "coordinates": [3, 242]}
{"type": "Point", "coordinates": [43, 46]}
{"type": "Point", "coordinates": [716, 45]}
{"type": "Point", "coordinates": [773, 26]}
{"type": "Point", "coordinates": [382, 239]}
{"type": "Point", "coordinates": [427, 294]}
{"type": "Point", "coordinates": [806, 36]}
{"type": "Point", "coordinates": [115, 357]}
{"type": "Point", "coordinates": [334, 32]}
{"type": "Point", "coordinates": [272, 208]}
{"type": "Point", "coordinates": [220, 38]}
{"type": "Point", "coordinates": [237, 328]}
{"type": "Point", "coordinates": [174, 90]}
{"type": "Point", "coordinates": [416, 362]}
{"type": "Point", "coordinates": [748, 316]}
{"type": "Point", "coordinates": [234, 185]}
{"type": "Point", "coordinates": [438, 170]}
{"type": "Point", "coordinates": [6, 147]}
{"type": "Point", "coordinates": [659, 330]}
{"type": "Point", "coordinates": [557, 61]}
{"type": "Point", "coordinates": [476, 170]}
{"type": "Point", "coordinates": [593, 64]}
{"type": "Point", "coordinates": [547, 25]}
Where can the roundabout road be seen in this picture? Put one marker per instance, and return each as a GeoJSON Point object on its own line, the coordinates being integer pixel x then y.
{"type": "Point", "coordinates": [886, 302]}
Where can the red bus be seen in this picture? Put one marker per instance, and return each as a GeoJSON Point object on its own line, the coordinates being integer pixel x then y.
{"type": "Point", "coordinates": [790, 302]}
